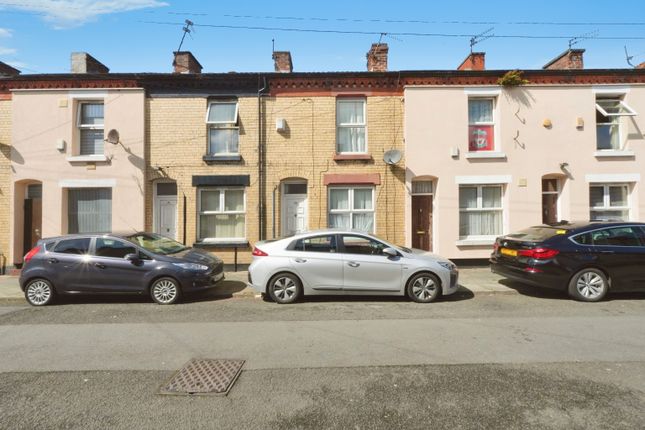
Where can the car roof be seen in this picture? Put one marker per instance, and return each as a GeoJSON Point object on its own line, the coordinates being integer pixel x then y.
{"type": "Point", "coordinates": [587, 225]}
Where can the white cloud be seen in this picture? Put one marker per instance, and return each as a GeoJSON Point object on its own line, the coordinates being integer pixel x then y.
{"type": "Point", "coordinates": [5, 32]}
{"type": "Point", "coordinates": [7, 51]}
{"type": "Point", "coordinates": [73, 13]}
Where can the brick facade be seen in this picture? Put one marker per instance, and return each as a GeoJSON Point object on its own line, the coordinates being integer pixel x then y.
{"type": "Point", "coordinates": [5, 181]}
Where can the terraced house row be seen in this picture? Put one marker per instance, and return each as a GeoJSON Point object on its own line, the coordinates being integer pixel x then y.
{"type": "Point", "coordinates": [438, 160]}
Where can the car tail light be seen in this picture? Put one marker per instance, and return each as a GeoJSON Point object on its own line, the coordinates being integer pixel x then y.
{"type": "Point", "coordinates": [257, 252]}
{"type": "Point", "coordinates": [31, 253]}
{"type": "Point", "coordinates": [539, 253]}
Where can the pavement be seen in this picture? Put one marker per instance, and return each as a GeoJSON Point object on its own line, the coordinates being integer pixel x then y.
{"type": "Point", "coordinates": [475, 280]}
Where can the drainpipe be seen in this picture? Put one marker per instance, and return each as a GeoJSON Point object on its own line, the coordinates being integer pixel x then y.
{"type": "Point", "coordinates": [275, 189]}
{"type": "Point", "coordinates": [261, 164]}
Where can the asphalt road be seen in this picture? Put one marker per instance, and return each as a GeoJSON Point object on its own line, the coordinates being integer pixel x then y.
{"type": "Point", "coordinates": [510, 361]}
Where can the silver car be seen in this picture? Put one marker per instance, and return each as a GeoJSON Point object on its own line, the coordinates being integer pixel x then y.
{"type": "Point", "coordinates": [347, 262]}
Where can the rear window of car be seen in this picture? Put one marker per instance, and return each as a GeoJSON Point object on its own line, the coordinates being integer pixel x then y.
{"type": "Point", "coordinates": [316, 244]}
{"type": "Point", "coordinates": [73, 246]}
{"type": "Point", "coordinates": [536, 234]}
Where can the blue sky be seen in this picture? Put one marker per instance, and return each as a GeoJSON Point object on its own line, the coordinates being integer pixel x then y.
{"type": "Point", "coordinates": [37, 36]}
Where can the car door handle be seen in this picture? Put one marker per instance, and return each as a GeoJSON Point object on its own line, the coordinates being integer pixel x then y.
{"type": "Point", "coordinates": [353, 264]}
{"type": "Point", "coordinates": [607, 252]}
{"type": "Point", "coordinates": [100, 265]}
{"type": "Point", "coordinates": [53, 260]}
{"type": "Point", "coordinates": [300, 260]}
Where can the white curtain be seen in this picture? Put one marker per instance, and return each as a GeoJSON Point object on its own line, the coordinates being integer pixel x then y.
{"type": "Point", "coordinates": [234, 200]}
{"type": "Point", "coordinates": [351, 130]}
{"type": "Point", "coordinates": [221, 226]}
{"type": "Point", "coordinates": [222, 112]}
{"type": "Point", "coordinates": [363, 199]}
{"type": "Point", "coordinates": [363, 222]}
{"type": "Point", "coordinates": [224, 141]}
{"type": "Point", "coordinates": [480, 223]}
{"type": "Point", "coordinates": [480, 110]}
{"type": "Point", "coordinates": [209, 201]}
{"type": "Point", "coordinates": [338, 199]}
{"type": "Point", "coordinates": [339, 221]}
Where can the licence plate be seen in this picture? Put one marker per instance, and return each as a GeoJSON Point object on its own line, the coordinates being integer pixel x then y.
{"type": "Point", "coordinates": [509, 252]}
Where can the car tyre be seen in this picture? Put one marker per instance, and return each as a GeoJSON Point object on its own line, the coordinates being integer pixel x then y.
{"type": "Point", "coordinates": [589, 285]}
{"type": "Point", "coordinates": [39, 292]}
{"type": "Point", "coordinates": [285, 288]}
{"type": "Point", "coordinates": [423, 288]}
{"type": "Point", "coordinates": [165, 291]}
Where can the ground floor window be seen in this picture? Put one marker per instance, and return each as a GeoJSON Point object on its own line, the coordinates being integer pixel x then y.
{"type": "Point", "coordinates": [480, 211]}
{"type": "Point", "coordinates": [352, 208]}
{"type": "Point", "coordinates": [89, 210]}
{"type": "Point", "coordinates": [222, 214]}
{"type": "Point", "coordinates": [609, 202]}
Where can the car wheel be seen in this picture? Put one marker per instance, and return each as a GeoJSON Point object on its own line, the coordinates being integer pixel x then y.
{"type": "Point", "coordinates": [285, 288]}
{"type": "Point", "coordinates": [165, 291]}
{"type": "Point", "coordinates": [39, 292]}
{"type": "Point", "coordinates": [588, 285]}
{"type": "Point", "coordinates": [423, 288]}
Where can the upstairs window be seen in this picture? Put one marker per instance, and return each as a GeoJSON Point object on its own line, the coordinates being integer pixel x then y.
{"type": "Point", "coordinates": [223, 129]}
{"type": "Point", "coordinates": [608, 113]}
{"type": "Point", "coordinates": [90, 125]}
{"type": "Point", "coordinates": [350, 126]}
{"type": "Point", "coordinates": [481, 124]}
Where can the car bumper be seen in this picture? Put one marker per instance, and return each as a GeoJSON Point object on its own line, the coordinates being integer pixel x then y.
{"type": "Point", "coordinates": [202, 282]}
{"type": "Point", "coordinates": [542, 279]}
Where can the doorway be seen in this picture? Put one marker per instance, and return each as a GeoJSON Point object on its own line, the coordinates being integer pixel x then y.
{"type": "Point", "coordinates": [550, 198]}
{"type": "Point", "coordinates": [33, 216]}
{"type": "Point", "coordinates": [294, 208]}
{"type": "Point", "coordinates": [422, 194]}
{"type": "Point", "coordinates": [165, 209]}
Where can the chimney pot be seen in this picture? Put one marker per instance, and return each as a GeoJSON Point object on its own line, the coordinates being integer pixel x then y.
{"type": "Point", "coordinates": [282, 61]}
{"type": "Point", "coordinates": [6, 71]}
{"type": "Point", "coordinates": [569, 59]}
{"type": "Point", "coordinates": [186, 63]}
{"type": "Point", "coordinates": [82, 62]}
{"type": "Point", "coordinates": [377, 57]}
{"type": "Point", "coordinates": [474, 61]}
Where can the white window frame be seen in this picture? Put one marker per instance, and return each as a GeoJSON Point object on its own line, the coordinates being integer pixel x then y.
{"type": "Point", "coordinates": [492, 123]}
{"type": "Point", "coordinates": [606, 199]}
{"type": "Point", "coordinates": [417, 193]}
{"type": "Point", "coordinates": [81, 126]}
{"type": "Point", "coordinates": [222, 125]}
{"type": "Point", "coordinates": [350, 207]}
{"type": "Point", "coordinates": [480, 208]}
{"type": "Point", "coordinates": [613, 119]}
{"type": "Point", "coordinates": [222, 191]}
{"type": "Point", "coordinates": [625, 106]}
{"type": "Point", "coordinates": [340, 125]}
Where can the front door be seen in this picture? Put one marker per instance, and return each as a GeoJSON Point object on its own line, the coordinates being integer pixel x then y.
{"type": "Point", "coordinates": [166, 222]}
{"type": "Point", "coordinates": [422, 222]}
{"type": "Point", "coordinates": [294, 208]}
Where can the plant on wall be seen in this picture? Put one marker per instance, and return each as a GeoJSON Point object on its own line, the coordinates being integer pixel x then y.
{"type": "Point", "coordinates": [512, 78]}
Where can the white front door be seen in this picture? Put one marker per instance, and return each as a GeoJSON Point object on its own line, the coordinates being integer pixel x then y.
{"type": "Point", "coordinates": [166, 220]}
{"type": "Point", "coordinates": [294, 214]}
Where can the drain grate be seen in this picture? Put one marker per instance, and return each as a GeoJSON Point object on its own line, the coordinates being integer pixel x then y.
{"type": "Point", "coordinates": [204, 376]}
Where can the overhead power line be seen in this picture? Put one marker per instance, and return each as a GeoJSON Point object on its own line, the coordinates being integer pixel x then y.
{"type": "Point", "coordinates": [378, 33]}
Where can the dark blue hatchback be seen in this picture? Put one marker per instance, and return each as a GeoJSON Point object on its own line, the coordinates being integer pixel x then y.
{"type": "Point", "coordinates": [585, 259]}
{"type": "Point", "coordinates": [140, 263]}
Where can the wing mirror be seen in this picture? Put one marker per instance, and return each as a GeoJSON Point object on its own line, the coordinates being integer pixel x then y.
{"type": "Point", "coordinates": [134, 258]}
{"type": "Point", "coordinates": [390, 252]}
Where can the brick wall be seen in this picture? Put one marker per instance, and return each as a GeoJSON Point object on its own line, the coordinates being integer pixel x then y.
{"type": "Point", "coordinates": [5, 179]}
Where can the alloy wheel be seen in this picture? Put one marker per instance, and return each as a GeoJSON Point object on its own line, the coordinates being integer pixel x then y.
{"type": "Point", "coordinates": [39, 292]}
{"type": "Point", "coordinates": [424, 288]}
{"type": "Point", "coordinates": [165, 291]}
{"type": "Point", "coordinates": [284, 289]}
{"type": "Point", "coordinates": [590, 285]}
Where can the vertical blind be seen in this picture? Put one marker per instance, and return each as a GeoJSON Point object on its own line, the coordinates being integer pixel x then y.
{"type": "Point", "coordinates": [89, 210]}
{"type": "Point", "coordinates": [91, 128]}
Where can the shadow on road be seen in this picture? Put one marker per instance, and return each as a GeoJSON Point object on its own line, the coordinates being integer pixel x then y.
{"type": "Point", "coordinates": [555, 294]}
{"type": "Point", "coordinates": [462, 294]}
{"type": "Point", "coordinates": [223, 290]}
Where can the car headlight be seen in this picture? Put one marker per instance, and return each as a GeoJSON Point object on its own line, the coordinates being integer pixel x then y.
{"type": "Point", "coordinates": [191, 266]}
{"type": "Point", "coordinates": [446, 265]}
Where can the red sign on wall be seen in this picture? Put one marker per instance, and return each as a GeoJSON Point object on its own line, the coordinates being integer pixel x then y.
{"type": "Point", "coordinates": [480, 138]}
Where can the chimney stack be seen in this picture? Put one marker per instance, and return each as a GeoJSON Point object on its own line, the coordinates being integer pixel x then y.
{"type": "Point", "coordinates": [475, 61]}
{"type": "Point", "coordinates": [377, 57]}
{"type": "Point", "coordinates": [569, 59]}
{"type": "Point", "coordinates": [640, 66]}
{"type": "Point", "coordinates": [6, 71]}
{"type": "Point", "coordinates": [82, 62]}
{"type": "Point", "coordinates": [282, 61]}
{"type": "Point", "coordinates": [186, 63]}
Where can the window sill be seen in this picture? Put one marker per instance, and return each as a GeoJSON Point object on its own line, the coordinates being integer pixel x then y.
{"type": "Point", "coordinates": [350, 157]}
{"type": "Point", "coordinates": [609, 153]}
{"type": "Point", "coordinates": [486, 154]}
{"type": "Point", "coordinates": [216, 158]}
{"type": "Point", "coordinates": [242, 243]}
{"type": "Point", "coordinates": [476, 242]}
{"type": "Point", "coordinates": [88, 159]}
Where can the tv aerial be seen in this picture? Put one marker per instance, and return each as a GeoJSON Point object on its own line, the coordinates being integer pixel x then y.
{"type": "Point", "coordinates": [478, 38]}
{"type": "Point", "coordinates": [392, 157]}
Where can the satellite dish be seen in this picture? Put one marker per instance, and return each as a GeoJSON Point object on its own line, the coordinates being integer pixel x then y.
{"type": "Point", "coordinates": [392, 156]}
{"type": "Point", "coordinates": [113, 137]}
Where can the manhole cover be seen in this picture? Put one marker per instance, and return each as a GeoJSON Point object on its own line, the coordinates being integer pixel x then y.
{"type": "Point", "coordinates": [204, 376]}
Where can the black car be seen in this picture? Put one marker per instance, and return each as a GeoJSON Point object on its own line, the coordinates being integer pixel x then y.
{"type": "Point", "coordinates": [141, 263]}
{"type": "Point", "coordinates": [585, 259]}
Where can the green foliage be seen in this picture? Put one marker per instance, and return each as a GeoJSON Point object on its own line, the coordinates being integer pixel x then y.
{"type": "Point", "coordinates": [512, 78]}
